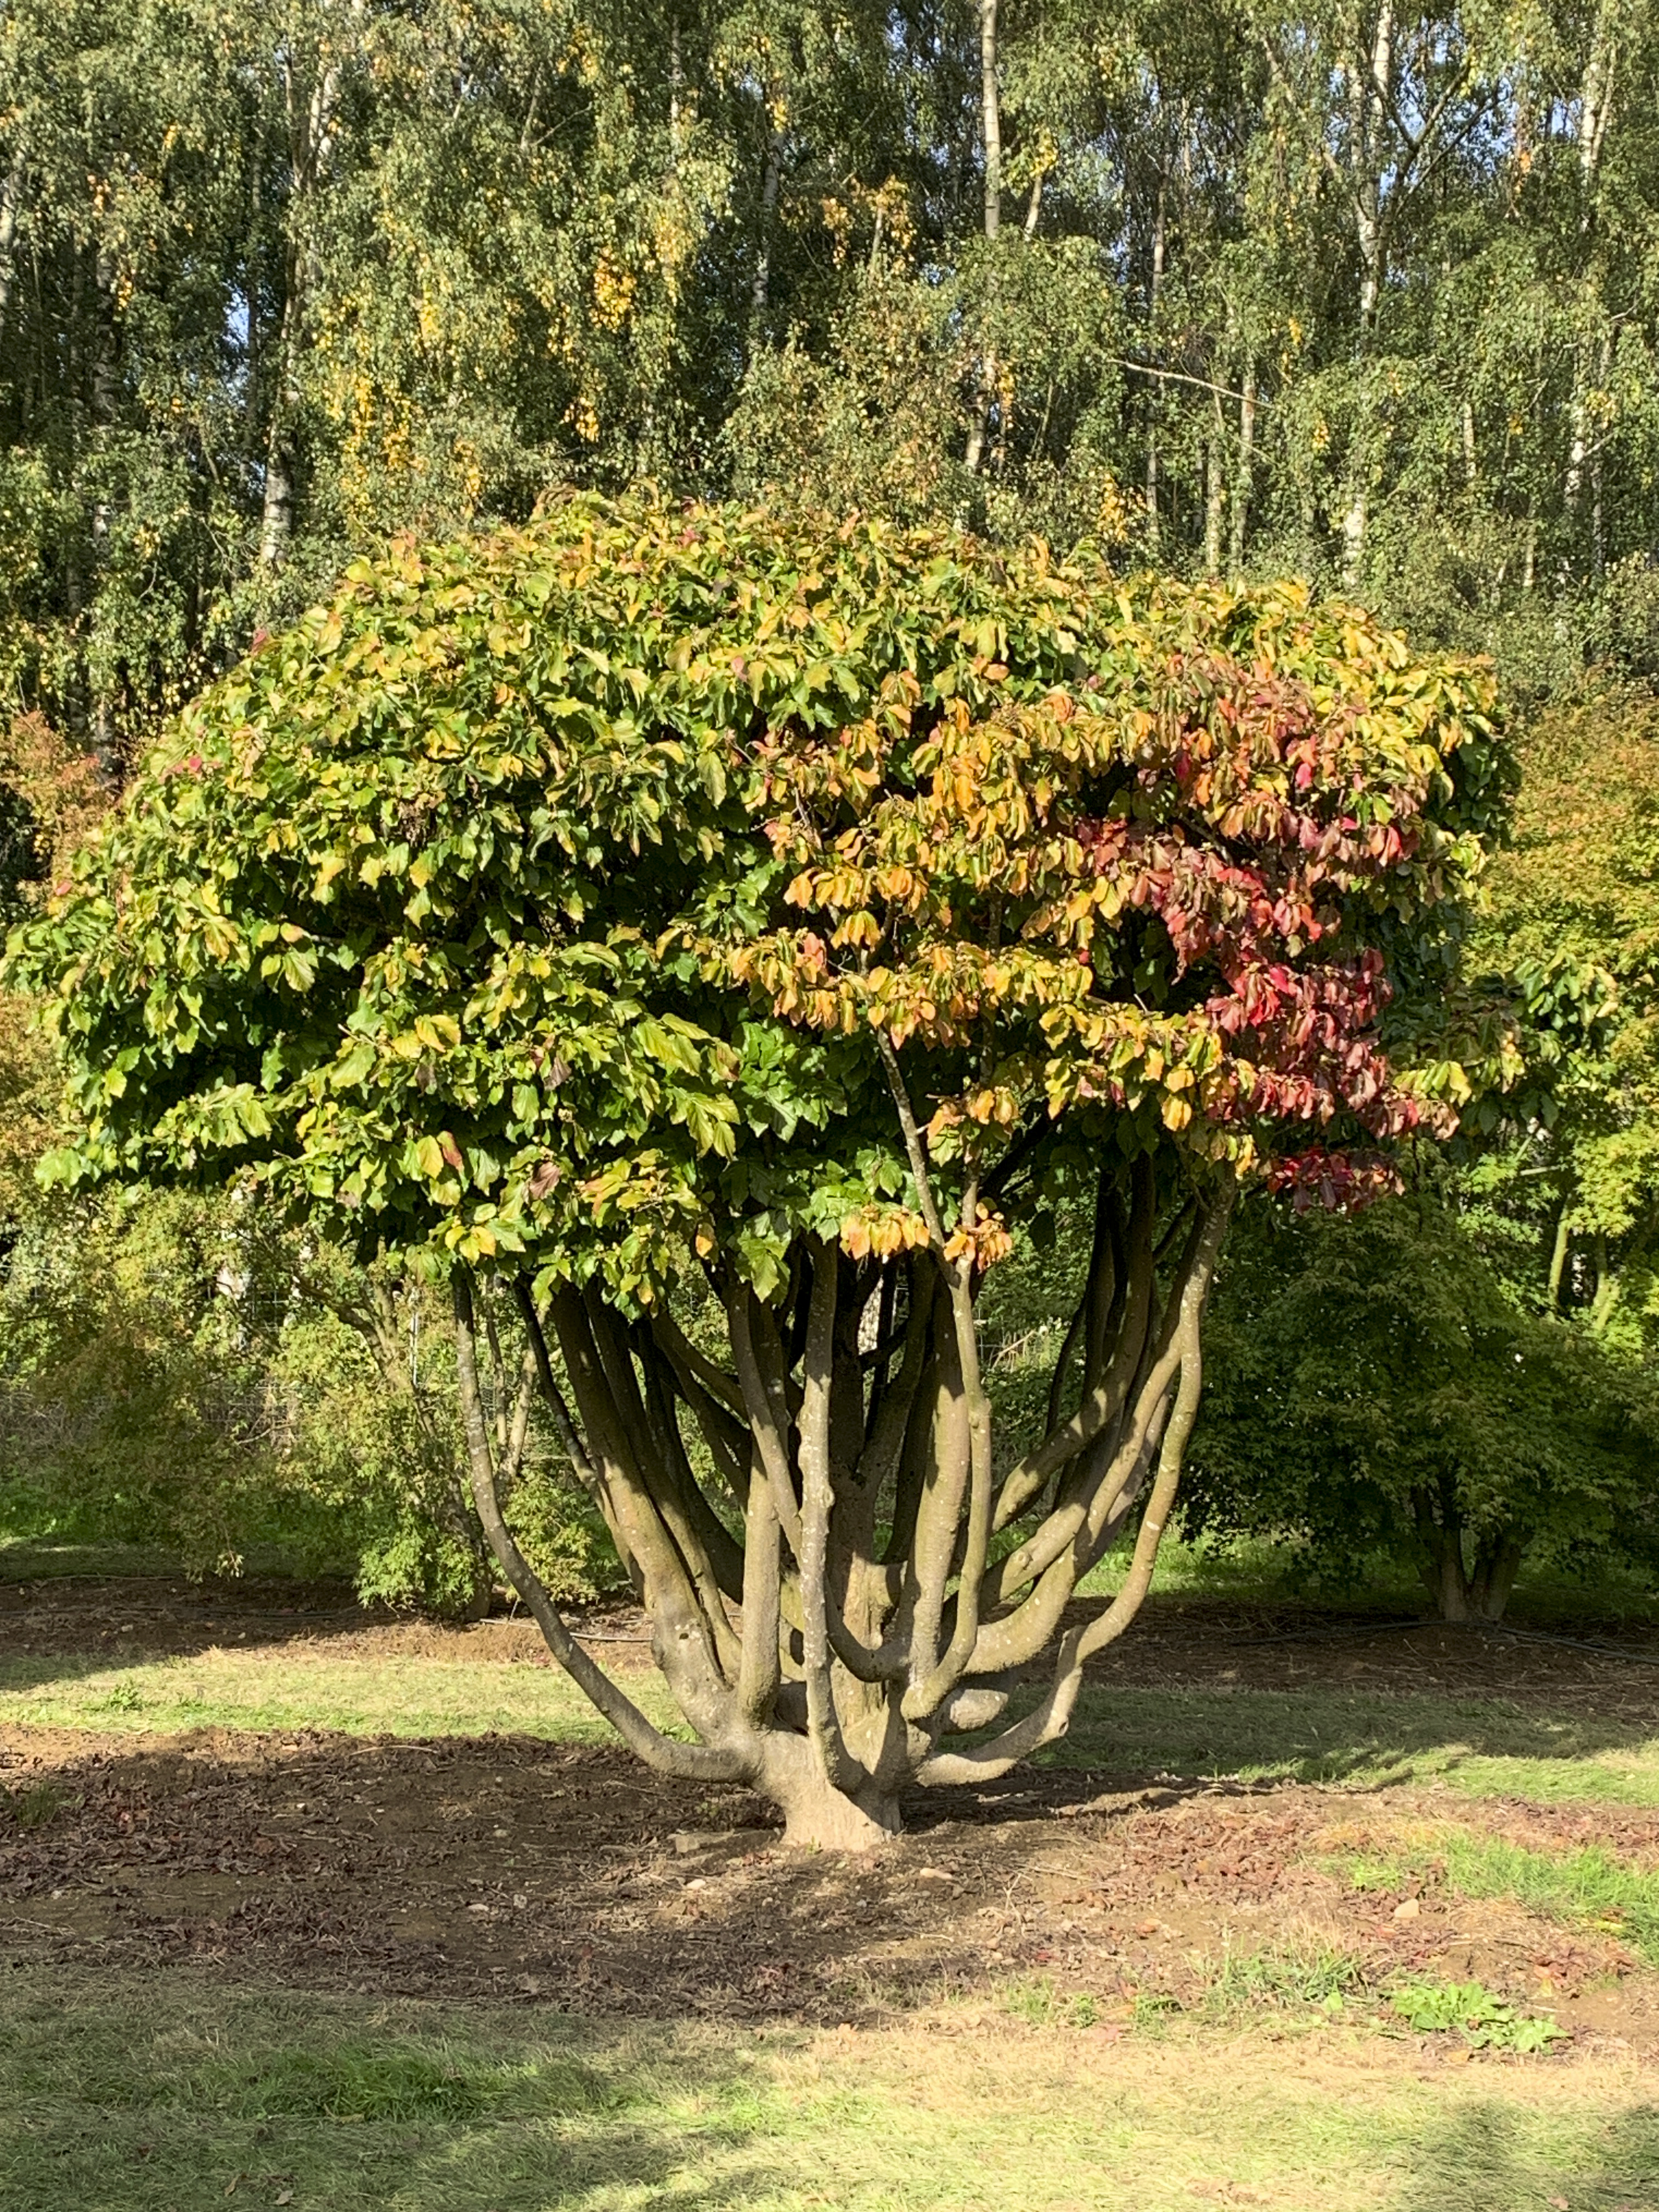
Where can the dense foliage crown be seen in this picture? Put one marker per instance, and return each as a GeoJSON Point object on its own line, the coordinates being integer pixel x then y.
{"type": "Point", "coordinates": [559, 892]}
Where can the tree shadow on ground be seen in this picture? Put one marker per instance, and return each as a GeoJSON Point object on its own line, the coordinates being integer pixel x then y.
{"type": "Point", "coordinates": [182, 2091]}
{"type": "Point", "coordinates": [545, 1873]}
{"type": "Point", "coordinates": [1493, 2157]}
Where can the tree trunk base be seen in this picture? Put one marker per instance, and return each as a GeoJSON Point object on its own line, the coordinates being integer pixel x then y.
{"type": "Point", "coordinates": [816, 1816]}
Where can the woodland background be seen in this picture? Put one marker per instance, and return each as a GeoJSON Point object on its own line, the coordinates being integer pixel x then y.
{"type": "Point", "coordinates": [1365, 292]}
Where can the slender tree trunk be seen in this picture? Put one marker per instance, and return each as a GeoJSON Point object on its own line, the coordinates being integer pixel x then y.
{"type": "Point", "coordinates": [1594, 114]}
{"type": "Point", "coordinates": [1215, 493]}
{"type": "Point", "coordinates": [1155, 403]}
{"type": "Point", "coordinates": [11, 201]}
{"type": "Point", "coordinates": [676, 99]}
{"type": "Point", "coordinates": [1558, 1260]}
{"type": "Point", "coordinates": [277, 504]}
{"type": "Point", "coordinates": [1243, 482]}
{"type": "Point", "coordinates": [760, 290]}
{"type": "Point", "coordinates": [991, 115]}
{"type": "Point", "coordinates": [991, 142]}
{"type": "Point", "coordinates": [312, 136]}
{"type": "Point", "coordinates": [1370, 102]}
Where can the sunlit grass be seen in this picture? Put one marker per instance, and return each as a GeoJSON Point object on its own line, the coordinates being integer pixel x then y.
{"type": "Point", "coordinates": [174, 2094]}
{"type": "Point", "coordinates": [285, 1688]}
{"type": "Point", "coordinates": [1582, 1888]}
{"type": "Point", "coordinates": [1367, 1739]}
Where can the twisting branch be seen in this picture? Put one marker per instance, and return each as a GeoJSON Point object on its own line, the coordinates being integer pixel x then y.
{"type": "Point", "coordinates": [1052, 1715]}
{"type": "Point", "coordinates": [691, 1761]}
{"type": "Point", "coordinates": [841, 1770]}
{"type": "Point", "coordinates": [769, 1425]}
{"type": "Point", "coordinates": [915, 1151]}
{"type": "Point", "coordinates": [932, 1680]}
{"type": "Point", "coordinates": [1104, 1402]}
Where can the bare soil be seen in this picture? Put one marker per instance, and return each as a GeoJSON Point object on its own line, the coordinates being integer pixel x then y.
{"type": "Point", "coordinates": [570, 1875]}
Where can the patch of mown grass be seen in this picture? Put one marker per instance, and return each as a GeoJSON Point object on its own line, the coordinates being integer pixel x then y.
{"type": "Point", "coordinates": [288, 1687]}
{"type": "Point", "coordinates": [175, 2093]}
{"type": "Point", "coordinates": [1481, 1747]}
{"type": "Point", "coordinates": [1586, 1887]}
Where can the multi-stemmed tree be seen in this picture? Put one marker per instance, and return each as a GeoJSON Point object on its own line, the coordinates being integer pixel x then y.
{"type": "Point", "coordinates": [725, 935]}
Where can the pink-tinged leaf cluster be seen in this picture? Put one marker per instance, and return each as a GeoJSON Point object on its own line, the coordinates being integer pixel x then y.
{"type": "Point", "coordinates": [1166, 887]}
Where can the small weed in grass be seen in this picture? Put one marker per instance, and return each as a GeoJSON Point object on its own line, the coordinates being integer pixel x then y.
{"type": "Point", "coordinates": [1041, 2005]}
{"type": "Point", "coordinates": [1488, 2023]}
{"type": "Point", "coordinates": [1313, 1974]}
{"type": "Point", "coordinates": [123, 1698]}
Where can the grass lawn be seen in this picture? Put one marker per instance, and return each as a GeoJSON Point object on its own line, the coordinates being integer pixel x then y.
{"type": "Point", "coordinates": [284, 1688]}
{"type": "Point", "coordinates": [174, 2093]}
{"type": "Point", "coordinates": [1484, 1747]}
{"type": "Point", "coordinates": [181, 2086]}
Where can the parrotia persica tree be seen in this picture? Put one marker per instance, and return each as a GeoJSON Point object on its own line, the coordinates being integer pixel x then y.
{"type": "Point", "coordinates": [733, 932]}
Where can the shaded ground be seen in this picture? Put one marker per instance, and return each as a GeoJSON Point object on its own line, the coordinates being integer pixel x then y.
{"type": "Point", "coordinates": [567, 1875]}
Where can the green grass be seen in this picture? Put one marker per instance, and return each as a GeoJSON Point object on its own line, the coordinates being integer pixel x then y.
{"type": "Point", "coordinates": [1578, 1888]}
{"type": "Point", "coordinates": [1253, 1572]}
{"type": "Point", "coordinates": [44, 1559]}
{"type": "Point", "coordinates": [1487, 1748]}
{"type": "Point", "coordinates": [285, 1688]}
{"type": "Point", "coordinates": [33, 1558]}
{"type": "Point", "coordinates": [1366, 1738]}
{"type": "Point", "coordinates": [173, 2093]}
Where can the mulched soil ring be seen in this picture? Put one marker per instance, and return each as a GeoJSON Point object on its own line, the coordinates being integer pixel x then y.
{"type": "Point", "coordinates": [571, 1876]}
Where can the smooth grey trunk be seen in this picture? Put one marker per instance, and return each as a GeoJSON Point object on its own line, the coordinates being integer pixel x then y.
{"type": "Point", "coordinates": [11, 201]}
{"type": "Point", "coordinates": [1370, 101]}
{"type": "Point", "coordinates": [813, 1664]}
{"type": "Point", "coordinates": [990, 146]}
{"type": "Point", "coordinates": [1154, 291]}
{"type": "Point", "coordinates": [1595, 102]}
{"type": "Point", "coordinates": [990, 115]}
{"type": "Point", "coordinates": [760, 290]}
{"type": "Point", "coordinates": [1246, 470]}
{"type": "Point", "coordinates": [1215, 491]}
{"type": "Point", "coordinates": [313, 134]}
